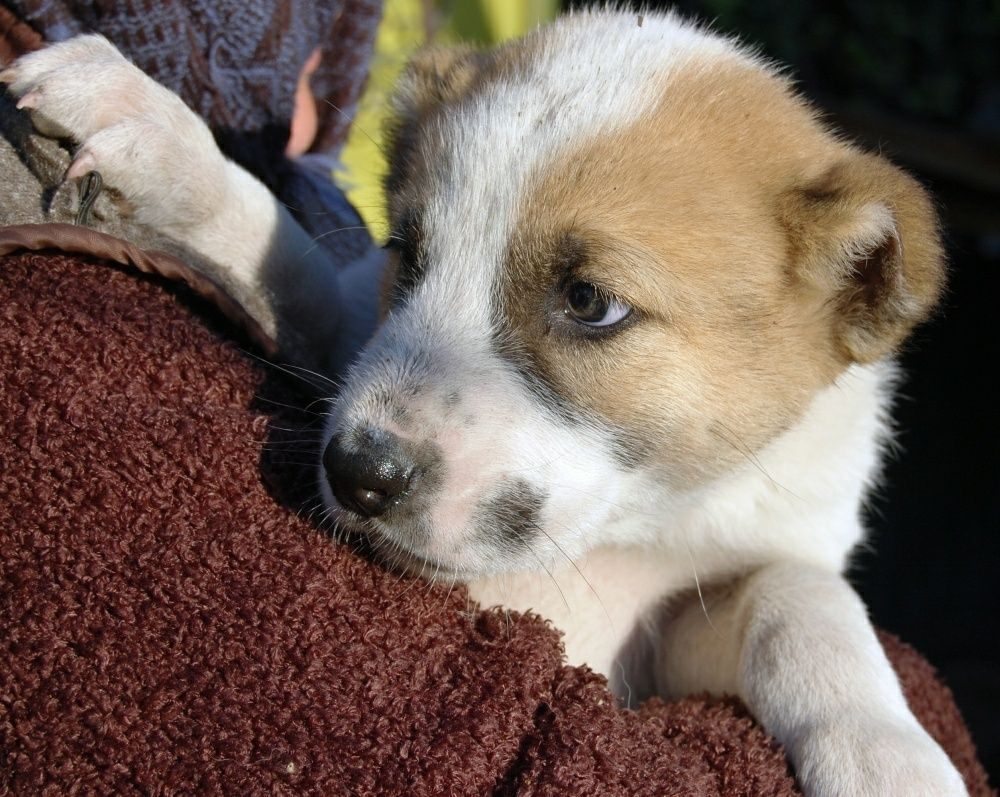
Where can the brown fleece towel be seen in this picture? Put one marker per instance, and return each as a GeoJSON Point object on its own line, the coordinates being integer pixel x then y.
{"type": "Point", "coordinates": [172, 623]}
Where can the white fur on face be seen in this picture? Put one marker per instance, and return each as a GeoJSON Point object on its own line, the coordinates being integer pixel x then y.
{"type": "Point", "coordinates": [433, 373]}
{"type": "Point", "coordinates": [430, 378]}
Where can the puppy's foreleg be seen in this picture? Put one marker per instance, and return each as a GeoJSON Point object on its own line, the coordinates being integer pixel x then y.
{"type": "Point", "coordinates": [319, 316]}
{"type": "Point", "coordinates": [795, 643]}
{"type": "Point", "coordinates": [161, 157]}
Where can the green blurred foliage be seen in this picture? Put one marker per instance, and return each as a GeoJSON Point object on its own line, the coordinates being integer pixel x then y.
{"type": "Point", "coordinates": [402, 30]}
{"type": "Point", "coordinates": [492, 21]}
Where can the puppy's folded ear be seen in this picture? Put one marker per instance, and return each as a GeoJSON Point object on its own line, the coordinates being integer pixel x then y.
{"type": "Point", "coordinates": [865, 235]}
{"type": "Point", "coordinates": [435, 76]}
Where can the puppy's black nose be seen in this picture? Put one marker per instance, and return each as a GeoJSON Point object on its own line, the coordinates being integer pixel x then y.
{"type": "Point", "coordinates": [369, 473]}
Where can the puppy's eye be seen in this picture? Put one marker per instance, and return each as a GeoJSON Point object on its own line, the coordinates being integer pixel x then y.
{"type": "Point", "coordinates": [589, 305]}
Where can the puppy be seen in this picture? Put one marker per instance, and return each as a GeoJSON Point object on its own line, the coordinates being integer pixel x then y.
{"type": "Point", "coordinates": [635, 364]}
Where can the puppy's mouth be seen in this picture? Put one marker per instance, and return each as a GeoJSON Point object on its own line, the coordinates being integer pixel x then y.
{"type": "Point", "coordinates": [390, 550]}
{"type": "Point", "coordinates": [399, 558]}
{"type": "Point", "coordinates": [497, 533]}
{"type": "Point", "coordinates": [389, 545]}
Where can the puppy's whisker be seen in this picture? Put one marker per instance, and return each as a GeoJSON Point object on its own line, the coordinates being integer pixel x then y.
{"type": "Point", "coordinates": [321, 400]}
{"type": "Point", "coordinates": [626, 684]}
{"type": "Point", "coordinates": [277, 459]}
{"type": "Point", "coordinates": [324, 513]}
{"type": "Point", "coordinates": [606, 501]}
{"type": "Point", "coordinates": [293, 407]}
{"type": "Point", "coordinates": [334, 383]}
{"type": "Point", "coordinates": [294, 429]}
{"type": "Point", "coordinates": [301, 442]}
{"type": "Point", "coordinates": [697, 585]}
{"type": "Point", "coordinates": [351, 123]}
{"type": "Point", "coordinates": [411, 580]}
{"type": "Point", "coordinates": [541, 564]}
{"type": "Point", "coordinates": [291, 463]}
{"type": "Point", "coordinates": [576, 567]}
{"type": "Point", "coordinates": [320, 387]}
{"type": "Point", "coordinates": [745, 450]}
{"type": "Point", "coordinates": [292, 447]}
{"type": "Point", "coordinates": [540, 465]}
{"type": "Point", "coordinates": [321, 236]}
{"type": "Point", "coordinates": [454, 580]}
{"type": "Point", "coordinates": [325, 518]}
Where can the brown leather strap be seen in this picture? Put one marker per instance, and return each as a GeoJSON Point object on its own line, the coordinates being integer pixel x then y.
{"type": "Point", "coordinates": [85, 241]}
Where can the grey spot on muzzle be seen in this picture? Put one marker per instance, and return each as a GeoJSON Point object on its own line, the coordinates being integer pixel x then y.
{"type": "Point", "coordinates": [399, 413]}
{"type": "Point", "coordinates": [511, 518]}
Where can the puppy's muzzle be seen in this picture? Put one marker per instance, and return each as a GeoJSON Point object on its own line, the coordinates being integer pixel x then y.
{"type": "Point", "coordinates": [369, 471]}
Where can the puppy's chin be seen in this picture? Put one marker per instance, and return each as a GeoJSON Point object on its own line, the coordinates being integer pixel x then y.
{"type": "Point", "coordinates": [396, 550]}
{"type": "Point", "coordinates": [462, 541]}
{"type": "Point", "coordinates": [386, 546]}
{"type": "Point", "coordinates": [408, 563]}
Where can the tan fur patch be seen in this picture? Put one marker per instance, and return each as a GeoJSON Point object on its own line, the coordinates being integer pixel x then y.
{"type": "Point", "coordinates": [685, 216]}
{"type": "Point", "coordinates": [732, 221]}
{"type": "Point", "coordinates": [885, 281]}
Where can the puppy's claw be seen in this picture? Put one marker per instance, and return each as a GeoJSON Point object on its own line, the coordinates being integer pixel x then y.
{"type": "Point", "coordinates": [8, 75]}
{"type": "Point", "coordinates": [30, 100]}
{"type": "Point", "coordinates": [82, 164]}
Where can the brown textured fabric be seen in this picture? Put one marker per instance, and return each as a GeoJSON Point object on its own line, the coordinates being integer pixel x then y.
{"type": "Point", "coordinates": [170, 625]}
{"type": "Point", "coordinates": [933, 703]}
{"type": "Point", "coordinates": [72, 238]}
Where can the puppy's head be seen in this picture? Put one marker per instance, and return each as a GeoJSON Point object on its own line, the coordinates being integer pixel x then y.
{"type": "Point", "coordinates": [625, 257]}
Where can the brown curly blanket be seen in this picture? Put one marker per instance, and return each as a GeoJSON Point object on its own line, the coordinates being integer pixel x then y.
{"type": "Point", "coordinates": [170, 624]}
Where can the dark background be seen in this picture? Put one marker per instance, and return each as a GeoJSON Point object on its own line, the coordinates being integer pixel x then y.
{"type": "Point", "coordinates": [921, 83]}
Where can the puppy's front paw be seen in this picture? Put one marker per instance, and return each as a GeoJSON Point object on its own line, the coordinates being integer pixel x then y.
{"type": "Point", "coordinates": [875, 760]}
{"type": "Point", "coordinates": [76, 87]}
{"type": "Point", "coordinates": [141, 137]}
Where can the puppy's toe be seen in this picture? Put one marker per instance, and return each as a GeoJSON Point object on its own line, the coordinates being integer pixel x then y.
{"type": "Point", "coordinates": [75, 87]}
{"type": "Point", "coordinates": [147, 145]}
{"type": "Point", "coordinates": [169, 180]}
